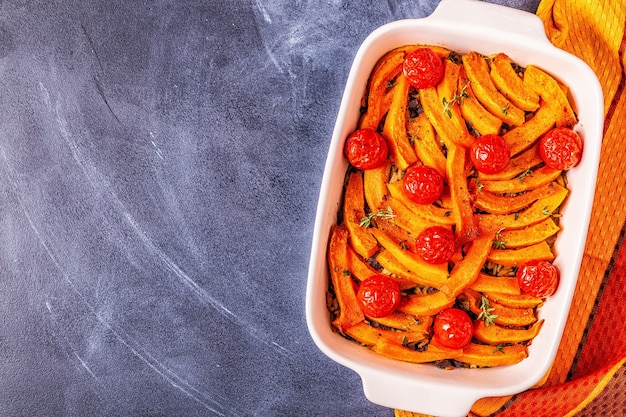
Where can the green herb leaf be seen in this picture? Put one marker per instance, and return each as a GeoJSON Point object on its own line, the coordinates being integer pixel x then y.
{"type": "Point", "coordinates": [486, 312]}
{"type": "Point", "coordinates": [457, 98]}
{"type": "Point", "coordinates": [527, 173]}
{"type": "Point", "coordinates": [497, 242]}
{"type": "Point", "coordinates": [380, 214]}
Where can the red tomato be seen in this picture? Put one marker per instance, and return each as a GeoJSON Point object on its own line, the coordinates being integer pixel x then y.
{"type": "Point", "coordinates": [366, 149]}
{"type": "Point", "coordinates": [561, 148]}
{"type": "Point", "coordinates": [423, 184]}
{"type": "Point", "coordinates": [423, 68]}
{"type": "Point", "coordinates": [490, 154]}
{"type": "Point", "coordinates": [453, 328]}
{"type": "Point", "coordinates": [379, 295]}
{"type": "Point", "coordinates": [538, 278]}
{"type": "Point", "coordinates": [435, 244]}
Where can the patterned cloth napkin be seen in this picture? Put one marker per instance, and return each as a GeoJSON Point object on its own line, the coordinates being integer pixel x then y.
{"type": "Point", "coordinates": [588, 377]}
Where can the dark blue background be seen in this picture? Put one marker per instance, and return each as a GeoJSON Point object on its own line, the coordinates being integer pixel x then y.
{"type": "Point", "coordinates": [160, 165]}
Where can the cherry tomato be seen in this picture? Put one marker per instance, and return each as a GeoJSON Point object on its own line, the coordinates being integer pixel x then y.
{"type": "Point", "coordinates": [561, 148]}
{"type": "Point", "coordinates": [538, 278]}
{"type": "Point", "coordinates": [366, 149]}
{"type": "Point", "coordinates": [453, 328]}
{"type": "Point", "coordinates": [423, 184]}
{"type": "Point", "coordinates": [423, 68]}
{"type": "Point", "coordinates": [435, 244]}
{"type": "Point", "coordinates": [490, 154]}
{"type": "Point", "coordinates": [378, 296]}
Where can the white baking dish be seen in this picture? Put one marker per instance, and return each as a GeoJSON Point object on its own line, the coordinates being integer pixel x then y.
{"type": "Point", "coordinates": [460, 25]}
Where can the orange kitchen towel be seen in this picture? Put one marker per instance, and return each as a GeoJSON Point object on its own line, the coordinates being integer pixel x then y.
{"type": "Point", "coordinates": [588, 377]}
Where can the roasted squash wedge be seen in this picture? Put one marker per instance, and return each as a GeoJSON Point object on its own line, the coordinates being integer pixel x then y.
{"type": "Point", "coordinates": [400, 148]}
{"type": "Point", "coordinates": [402, 353]}
{"type": "Point", "coordinates": [428, 150]}
{"type": "Point", "coordinates": [353, 212]}
{"type": "Point", "coordinates": [350, 313]}
{"type": "Point", "coordinates": [497, 335]}
{"type": "Point", "coordinates": [490, 356]}
{"type": "Point", "coordinates": [511, 85]}
{"type": "Point", "coordinates": [478, 72]}
{"type": "Point", "coordinates": [473, 111]}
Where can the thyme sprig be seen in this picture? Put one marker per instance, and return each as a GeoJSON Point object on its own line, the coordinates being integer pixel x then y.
{"type": "Point", "coordinates": [486, 312]}
{"type": "Point", "coordinates": [497, 242]}
{"type": "Point", "coordinates": [380, 214]}
{"type": "Point", "coordinates": [527, 173]}
{"type": "Point", "coordinates": [457, 98]}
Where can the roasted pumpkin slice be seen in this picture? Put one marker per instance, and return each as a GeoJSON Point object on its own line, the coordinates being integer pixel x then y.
{"type": "Point", "coordinates": [406, 218]}
{"type": "Point", "coordinates": [350, 313]}
{"type": "Point", "coordinates": [425, 304]}
{"type": "Point", "coordinates": [524, 136]}
{"type": "Point", "coordinates": [428, 150]}
{"type": "Point", "coordinates": [400, 148]}
{"type": "Point", "coordinates": [551, 92]}
{"type": "Point", "coordinates": [369, 335]}
{"type": "Point", "coordinates": [404, 237]}
{"type": "Point", "coordinates": [531, 235]}
{"type": "Point", "coordinates": [504, 204]}
{"type": "Point", "coordinates": [530, 181]}
{"type": "Point", "coordinates": [405, 322]}
{"type": "Point", "coordinates": [489, 356]}
{"type": "Point", "coordinates": [497, 285]}
{"type": "Point", "coordinates": [535, 213]}
{"type": "Point", "coordinates": [473, 111]}
{"type": "Point", "coordinates": [449, 133]}
{"type": "Point", "coordinates": [404, 273]}
{"type": "Point", "coordinates": [466, 226]}
{"type": "Point", "coordinates": [403, 353]}
{"type": "Point", "coordinates": [361, 270]}
{"type": "Point", "coordinates": [511, 85]}
{"type": "Point", "coordinates": [429, 212]}
{"type": "Point", "coordinates": [466, 272]}
{"type": "Point", "coordinates": [519, 165]}
{"type": "Point", "coordinates": [353, 212]}
{"type": "Point", "coordinates": [380, 84]}
{"type": "Point", "coordinates": [449, 97]}
{"type": "Point", "coordinates": [514, 301]}
{"type": "Point", "coordinates": [497, 335]}
{"type": "Point", "coordinates": [516, 257]}
{"type": "Point", "coordinates": [432, 272]}
{"type": "Point", "coordinates": [375, 186]}
{"type": "Point", "coordinates": [478, 72]}
{"type": "Point", "coordinates": [502, 315]}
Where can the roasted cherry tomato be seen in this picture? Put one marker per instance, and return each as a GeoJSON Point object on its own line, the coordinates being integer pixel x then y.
{"type": "Point", "coordinates": [423, 68]}
{"type": "Point", "coordinates": [366, 149]}
{"type": "Point", "coordinates": [490, 154]}
{"type": "Point", "coordinates": [453, 328]}
{"type": "Point", "coordinates": [561, 148]}
{"type": "Point", "coordinates": [378, 296]}
{"type": "Point", "coordinates": [435, 244]}
{"type": "Point", "coordinates": [423, 184]}
{"type": "Point", "coordinates": [538, 278]}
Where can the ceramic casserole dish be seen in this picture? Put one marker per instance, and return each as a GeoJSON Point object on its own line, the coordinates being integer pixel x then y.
{"type": "Point", "coordinates": [461, 26]}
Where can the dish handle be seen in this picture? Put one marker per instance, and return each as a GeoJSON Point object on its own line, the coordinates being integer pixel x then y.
{"type": "Point", "coordinates": [442, 400]}
{"type": "Point", "coordinates": [490, 16]}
